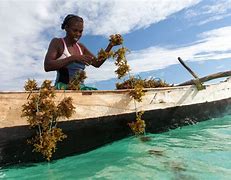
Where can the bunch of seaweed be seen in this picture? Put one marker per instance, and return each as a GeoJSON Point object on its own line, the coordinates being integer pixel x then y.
{"type": "Point", "coordinates": [102, 54]}
{"type": "Point", "coordinates": [116, 39]}
{"type": "Point", "coordinates": [121, 62]}
{"type": "Point", "coordinates": [77, 80]}
{"type": "Point", "coordinates": [137, 126]}
{"type": "Point", "coordinates": [42, 114]}
{"type": "Point", "coordinates": [136, 85]}
{"type": "Point", "coordinates": [146, 83]}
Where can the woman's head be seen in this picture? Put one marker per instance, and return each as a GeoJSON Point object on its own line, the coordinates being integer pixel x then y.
{"type": "Point", "coordinates": [70, 18]}
{"type": "Point", "coordinates": [73, 25]}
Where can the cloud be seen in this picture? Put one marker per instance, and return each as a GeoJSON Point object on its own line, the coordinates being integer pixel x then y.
{"type": "Point", "coordinates": [213, 11]}
{"type": "Point", "coordinates": [22, 46]}
{"type": "Point", "coordinates": [213, 45]}
{"type": "Point", "coordinates": [214, 18]}
{"type": "Point", "coordinates": [119, 16]}
{"type": "Point", "coordinates": [28, 26]}
{"type": "Point", "coordinates": [220, 7]}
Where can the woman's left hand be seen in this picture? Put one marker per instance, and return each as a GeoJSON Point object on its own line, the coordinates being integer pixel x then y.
{"type": "Point", "coordinates": [116, 39]}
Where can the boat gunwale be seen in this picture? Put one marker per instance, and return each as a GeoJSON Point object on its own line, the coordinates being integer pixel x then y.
{"type": "Point", "coordinates": [116, 91]}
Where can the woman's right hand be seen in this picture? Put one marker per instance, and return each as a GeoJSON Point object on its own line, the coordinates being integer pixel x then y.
{"type": "Point", "coordinates": [86, 59]}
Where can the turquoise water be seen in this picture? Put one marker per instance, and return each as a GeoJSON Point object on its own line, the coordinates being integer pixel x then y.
{"type": "Point", "coordinates": [201, 151]}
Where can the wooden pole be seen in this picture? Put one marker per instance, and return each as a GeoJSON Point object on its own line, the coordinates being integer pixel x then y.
{"type": "Point", "coordinates": [191, 72]}
{"type": "Point", "coordinates": [196, 81]}
{"type": "Point", "coordinates": [208, 78]}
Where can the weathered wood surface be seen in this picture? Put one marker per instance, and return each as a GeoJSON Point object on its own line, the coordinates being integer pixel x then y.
{"type": "Point", "coordinates": [186, 67]}
{"type": "Point", "coordinates": [196, 81]}
{"type": "Point", "coordinates": [208, 78]}
{"type": "Point", "coordinates": [94, 104]}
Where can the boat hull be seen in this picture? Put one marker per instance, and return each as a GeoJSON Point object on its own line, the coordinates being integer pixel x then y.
{"type": "Point", "coordinates": [89, 133]}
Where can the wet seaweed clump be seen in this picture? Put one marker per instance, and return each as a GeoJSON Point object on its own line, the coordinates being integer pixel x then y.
{"type": "Point", "coordinates": [145, 138]}
{"type": "Point", "coordinates": [121, 62]}
{"type": "Point", "coordinates": [138, 91]}
{"type": "Point", "coordinates": [102, 55]}
{"type": "Point", "coordinates": [151, 83]}
{"type": "Point", "coordinates": [156, 152]}
{"type": "Point", "coordinates": [116, 39]}
{"type": "Point", "coordinates": [31, 85]}
{"type": "Point", "coordinates": [119, 55]}
{"type": "Point", "coordinates": [137, 86]}
{"type": "Point", "coordinates": [123, 69]}
{"type": "Point", "coordinates": [77, 80]}
{"type": "Point", "coordinates": [42, 114]}
{"type": "Point", "coordinates": [138, 126]}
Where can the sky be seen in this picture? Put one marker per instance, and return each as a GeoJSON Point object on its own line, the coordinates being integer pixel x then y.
{"type": "Point", "coordinates": [156, 33]}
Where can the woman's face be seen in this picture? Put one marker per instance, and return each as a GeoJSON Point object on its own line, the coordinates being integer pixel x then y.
{"type": "Point", "coordinates": [74, 30]}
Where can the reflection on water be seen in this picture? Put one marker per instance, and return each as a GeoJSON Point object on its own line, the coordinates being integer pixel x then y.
{"type": "Point", "coordinates": [200, 151]}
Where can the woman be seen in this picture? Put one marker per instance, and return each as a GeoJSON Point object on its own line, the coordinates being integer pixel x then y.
{"type": "Point", "coordinates": [67, 56]}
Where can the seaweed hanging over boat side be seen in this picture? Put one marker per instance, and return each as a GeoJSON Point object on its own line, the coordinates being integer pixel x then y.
{"type": "Point", "coordinates": [42, 114]}
{"type": "Point", "coordinates": [136, 85]}
{"type": "Point", "coordinates": [138, 126]}
{"type": "Point", "coordinates": [138, 91]}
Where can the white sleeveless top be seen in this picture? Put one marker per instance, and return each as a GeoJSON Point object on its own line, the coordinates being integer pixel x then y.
{"type": "Point", "coordinates": [66, 52]}
{"type": "Point", "coordinates": [70, 69]}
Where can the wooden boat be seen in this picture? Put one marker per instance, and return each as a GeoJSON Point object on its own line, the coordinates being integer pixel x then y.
{"type": "Point", "coordinates": [102, 117]}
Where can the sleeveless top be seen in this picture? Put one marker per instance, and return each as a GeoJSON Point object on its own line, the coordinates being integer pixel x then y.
{"type": "Point", "coordinates": [66, 73]}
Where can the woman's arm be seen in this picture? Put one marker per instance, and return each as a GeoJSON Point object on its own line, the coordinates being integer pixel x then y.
{"type": "Point", "coordinates": [95, 61]}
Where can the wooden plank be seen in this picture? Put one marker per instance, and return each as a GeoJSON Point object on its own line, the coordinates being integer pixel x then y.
{"type": "Point", "coordinates": [208, 78]}
{"type": "Point", "coordinates": [196, 81]}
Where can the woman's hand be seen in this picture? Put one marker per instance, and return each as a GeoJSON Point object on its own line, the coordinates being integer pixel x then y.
{"type": "Point", "coordinates": [116, 39]}
{"type": "Point", "coordinates": [86, 59]}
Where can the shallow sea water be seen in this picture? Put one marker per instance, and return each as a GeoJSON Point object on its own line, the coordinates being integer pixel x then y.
{"type": "Point", "coordinates": [200, 151]}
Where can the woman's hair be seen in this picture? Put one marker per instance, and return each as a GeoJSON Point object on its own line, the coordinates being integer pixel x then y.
{"type": "Point", "coordinates": [68, 18]}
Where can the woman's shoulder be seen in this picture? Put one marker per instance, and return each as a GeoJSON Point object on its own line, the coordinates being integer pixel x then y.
{"type": "Point", "coordinates": [56, 40]}
{"type": "Point", "coordinates": [56, 44]}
